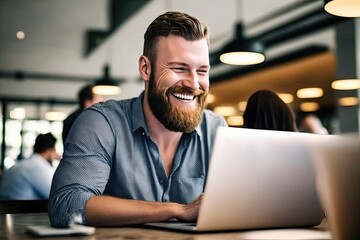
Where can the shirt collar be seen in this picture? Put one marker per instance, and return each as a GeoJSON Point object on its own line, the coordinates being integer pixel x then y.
{"type": "Point", "coordinates": [198, 130]}
{"type": "Point", "coordinates": [138, 119]}
{"type": "Point", "coordinates": [137, 115]}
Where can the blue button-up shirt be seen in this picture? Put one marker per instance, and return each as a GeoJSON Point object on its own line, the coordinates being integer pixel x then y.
{"type": "Point", "coordinates": [109, 150]}
{"type": "Point", "coordinates": [28, 179]}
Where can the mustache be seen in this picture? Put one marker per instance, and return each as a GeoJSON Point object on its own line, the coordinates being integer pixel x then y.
{"type": "Point", "coordinates": [185, 90]}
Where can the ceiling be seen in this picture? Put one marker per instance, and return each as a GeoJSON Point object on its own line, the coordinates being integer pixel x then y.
{"type": "Point", "coordinates": [286, 78]}
{"type": "Point", "coordinates": [55, 43]}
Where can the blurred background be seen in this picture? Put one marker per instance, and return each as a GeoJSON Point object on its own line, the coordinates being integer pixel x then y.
{"type": "Point", "coordinates": [50, 49]}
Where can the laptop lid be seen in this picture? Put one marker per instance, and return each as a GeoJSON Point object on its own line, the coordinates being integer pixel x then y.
{"type": "Point", "coordinates": [257, 179]}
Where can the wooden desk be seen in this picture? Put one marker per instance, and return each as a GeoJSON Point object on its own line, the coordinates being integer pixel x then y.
{"type": "Point", "coordinates": [12, 226]}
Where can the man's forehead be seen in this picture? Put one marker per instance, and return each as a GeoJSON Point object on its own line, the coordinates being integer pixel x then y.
{"type": "Point", "coordinates": [178, 49]}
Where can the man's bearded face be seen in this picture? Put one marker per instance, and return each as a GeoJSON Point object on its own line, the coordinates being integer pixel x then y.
{"type": "Point", "coordinates": [172, 117]}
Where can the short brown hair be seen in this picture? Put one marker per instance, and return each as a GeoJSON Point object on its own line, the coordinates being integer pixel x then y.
{"type": "Point", "coordinates": [44, 142]}
{"type": "Point", "coordinates": [85, 94]}
{"type": "Point", "coordinates": [172, 23]}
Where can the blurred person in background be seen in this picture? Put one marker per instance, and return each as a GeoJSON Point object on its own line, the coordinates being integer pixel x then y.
{"type": "Point", "coordinates": [266, 110]}
{"type": "Point", "coordinates": [312, 124]}
{"type": "Point", "coordinates": [86, 98]}
{"type": "Point", "coordinates": [30, 178]}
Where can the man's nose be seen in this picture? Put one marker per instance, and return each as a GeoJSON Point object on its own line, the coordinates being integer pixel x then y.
{"type": "Point", "coordinates": [191, 81]}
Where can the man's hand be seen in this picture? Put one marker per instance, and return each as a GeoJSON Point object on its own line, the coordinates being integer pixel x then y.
{"type": "Point", "coordinates": [190, 211]}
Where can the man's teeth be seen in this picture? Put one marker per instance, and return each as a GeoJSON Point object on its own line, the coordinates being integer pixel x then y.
{"type": "Point", "coordinates": [183, 96]}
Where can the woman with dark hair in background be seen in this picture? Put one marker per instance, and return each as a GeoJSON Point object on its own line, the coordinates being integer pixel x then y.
{"type": "Point", "coordinates": [266, 110]}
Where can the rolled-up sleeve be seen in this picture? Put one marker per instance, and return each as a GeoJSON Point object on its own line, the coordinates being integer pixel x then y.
{"type": "Point", "coordinates": [84, 170]}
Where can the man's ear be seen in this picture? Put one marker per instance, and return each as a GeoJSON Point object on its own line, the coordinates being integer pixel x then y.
{"type": "Point", "coordinates": [144, 68]}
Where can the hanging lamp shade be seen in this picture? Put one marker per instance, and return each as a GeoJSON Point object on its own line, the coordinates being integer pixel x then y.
{"type": "Point", "coordinates": [346, 84]}
{"type": "Point", "coordinates": [343, 8]}
{"type": "Point", "coordinates": [242, 51]}
{"type": "Point", "coordinates": [105, 85]}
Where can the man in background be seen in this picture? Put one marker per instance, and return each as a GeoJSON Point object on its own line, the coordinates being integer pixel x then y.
{"type": "Point", "coordinates": [86, 98]}
{"type": "Point", "coordinates": [31, 178]}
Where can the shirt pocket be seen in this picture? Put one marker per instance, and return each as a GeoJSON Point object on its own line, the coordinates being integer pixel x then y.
{"type": "Point", "coordinates": [190, 188]}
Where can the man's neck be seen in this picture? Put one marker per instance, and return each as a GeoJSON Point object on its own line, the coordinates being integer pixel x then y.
{"type": "Point", "coordinates": [46, 157]}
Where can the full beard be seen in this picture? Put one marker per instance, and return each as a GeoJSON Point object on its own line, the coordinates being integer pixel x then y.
{"type": "Point", "coordinates": [173, 118]}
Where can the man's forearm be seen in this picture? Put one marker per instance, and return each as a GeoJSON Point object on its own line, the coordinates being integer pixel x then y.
{"type": "Point", "coordinates": [111, 211]}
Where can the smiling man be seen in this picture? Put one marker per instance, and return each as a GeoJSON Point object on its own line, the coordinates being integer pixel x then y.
{"type": "Point", "coordinates": [144, 159]}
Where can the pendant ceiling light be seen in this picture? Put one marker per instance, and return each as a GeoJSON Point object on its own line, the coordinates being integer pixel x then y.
{"type": "Point", "coordinates": [343, 8]}
{"type": "Point", "coordinates": [346, 84]}
{"type": "Point", "coordinates": [242, 51]}
{"type": "Point", "coordinates": [313, 92]}
{"type": "Point", "coordinates": [348, 101]}
{"type": "Point", "coordinates": [105, 85]}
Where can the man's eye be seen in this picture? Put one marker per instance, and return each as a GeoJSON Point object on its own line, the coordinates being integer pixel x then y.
{"type": "Point", "coordinates": [202, 72]}
{"type": "Point", "coordinates": [179, 70]}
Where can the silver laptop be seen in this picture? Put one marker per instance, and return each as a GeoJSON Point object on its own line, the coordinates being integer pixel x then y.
{"type": "Point", "coordinates": [258, 179]}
